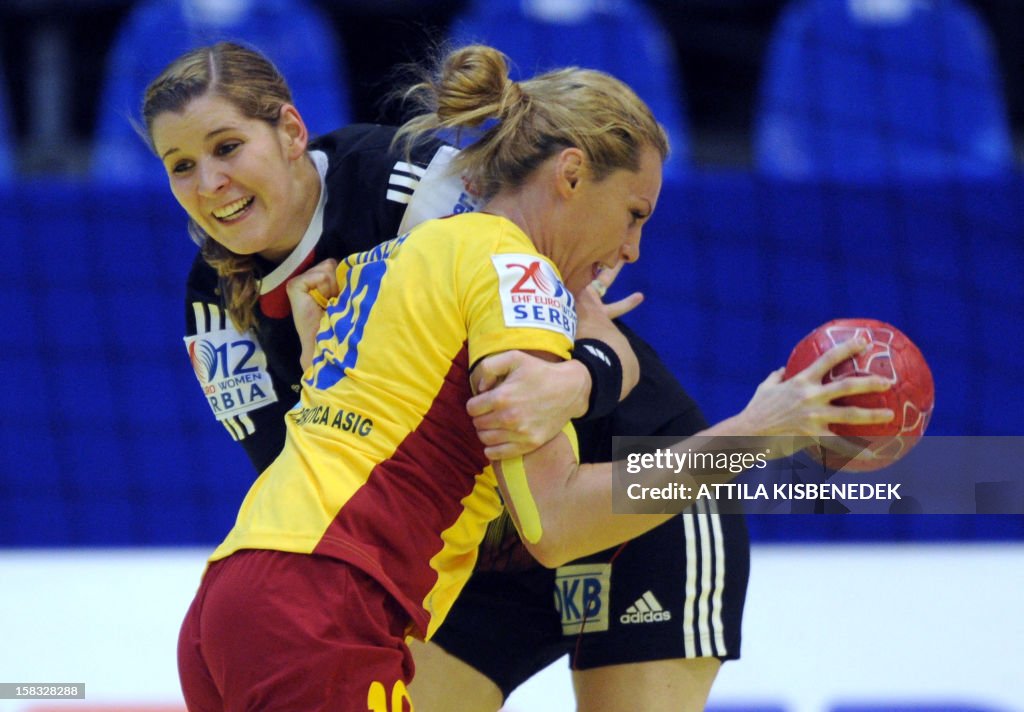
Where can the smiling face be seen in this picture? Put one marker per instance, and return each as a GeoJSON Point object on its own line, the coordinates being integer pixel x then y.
{"type": "Point", "coordinates": [602, 220]}
{"type": "Point", "coordinates": [245, 182]}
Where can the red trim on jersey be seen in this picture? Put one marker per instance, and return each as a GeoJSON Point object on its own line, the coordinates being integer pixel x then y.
{"type": "Point", "coordinates": [274, 303]}
{"type": "Point", "coordinates": [390, 527]}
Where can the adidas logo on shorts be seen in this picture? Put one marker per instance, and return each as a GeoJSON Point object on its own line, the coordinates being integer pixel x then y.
{"type": "Point", "coordinates": [646, 609]}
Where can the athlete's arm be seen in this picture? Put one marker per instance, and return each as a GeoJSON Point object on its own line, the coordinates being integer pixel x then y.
{"type": "Point", "coordinates": [524, 400]}
{"type": "Point", "coordinates": [564, 510]}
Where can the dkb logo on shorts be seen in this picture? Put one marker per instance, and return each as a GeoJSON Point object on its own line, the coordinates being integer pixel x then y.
{"type": "Point", "coordinates": [581, 597]}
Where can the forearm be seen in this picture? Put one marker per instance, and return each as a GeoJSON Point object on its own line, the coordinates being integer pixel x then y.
{"type": "Point", "coordinates": [563, 509]}
{"type": "Point", "coordinates": [574, 503]}
{"type": "Point", "coordinates": [524, 399]}
{"type": "Point", "coordinates": [583, 521]}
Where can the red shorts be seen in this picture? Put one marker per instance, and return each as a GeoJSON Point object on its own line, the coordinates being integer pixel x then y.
{"type": "Point", "coordinates": [273, 631]}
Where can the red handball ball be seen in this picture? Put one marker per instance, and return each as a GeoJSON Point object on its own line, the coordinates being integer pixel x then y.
{"type": "Point", "coordinates": [890, 354]}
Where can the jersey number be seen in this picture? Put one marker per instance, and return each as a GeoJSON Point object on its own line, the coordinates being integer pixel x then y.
{"type": "Point", "coordinates": [377, 698]}
{"type": "Point", "coordinates": [348, 322]}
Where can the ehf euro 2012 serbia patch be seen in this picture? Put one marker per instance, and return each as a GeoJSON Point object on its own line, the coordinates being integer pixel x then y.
{"type": "Point", "coordinates": [532, 294]}
{"type": "Point", "coordinates": [232, 370]}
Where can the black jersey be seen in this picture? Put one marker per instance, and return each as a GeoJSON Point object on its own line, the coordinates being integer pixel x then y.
{"type": "Point", "coordinates": [371, 194]}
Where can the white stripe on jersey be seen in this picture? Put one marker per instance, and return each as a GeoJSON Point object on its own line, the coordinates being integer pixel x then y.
{"type": "Point", "coordinates": [232, 428]}
{"type": "Point", "coordinates": [702, 613]}
{"type": "Point", "coordinates": [719, 590]}
{"type": "Point", "coordinates": [690, 588]}
{"type": "Point", "coordinates": [202, 317]}
{"type": "Point", "coordinates": [399, 197]}
{"type": "Point", "coordinates": [703, 625]}
{"type": "Point", "coordinates": [240, 426]}
{"type": "Point", "coordinates": [209, 317]}
{"type": "Point", "coordinates": [218, 317]}
{"type": "Point", "coordinates": [400, 181]}
{"type": "Point", "coordinates": [246, 422]}
{"type": "Point", "coordinates": [410, 168]}
{"type": "Point", "coordinates": [403, 181]}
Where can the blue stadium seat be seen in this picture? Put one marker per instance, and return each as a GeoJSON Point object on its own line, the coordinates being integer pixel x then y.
{"type": "Point", "coordinates": [620, 37]}
{"type": "Point", "coordinates": [6, 132]}
{"type": "Point", "coordinates": [294, 34]}
{"type": "Point", "coordinates": [875, 89]}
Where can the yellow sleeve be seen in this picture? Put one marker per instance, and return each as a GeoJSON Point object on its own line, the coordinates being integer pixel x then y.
{"type": "Point", "coordinates": [514, 298]}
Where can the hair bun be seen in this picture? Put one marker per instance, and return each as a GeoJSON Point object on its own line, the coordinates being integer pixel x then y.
{"type": "Point", "coordinates": [473, 84]}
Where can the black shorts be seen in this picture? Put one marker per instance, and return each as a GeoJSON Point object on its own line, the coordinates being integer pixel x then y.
{"type": "Point", "coordinates": [676, 592]}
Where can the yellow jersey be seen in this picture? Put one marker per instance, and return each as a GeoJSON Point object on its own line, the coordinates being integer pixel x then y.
{"type": "Point", "coordinates": [382, 467]}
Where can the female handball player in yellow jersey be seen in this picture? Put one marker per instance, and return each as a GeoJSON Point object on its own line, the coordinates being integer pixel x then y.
{"type": "Point", "coordinates": [365, 527]}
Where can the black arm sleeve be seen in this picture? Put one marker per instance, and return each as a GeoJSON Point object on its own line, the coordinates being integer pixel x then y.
{"type": "Point", "coordinates": [605, 370]}
{"type": "Point", "coordinates": [659, 405]}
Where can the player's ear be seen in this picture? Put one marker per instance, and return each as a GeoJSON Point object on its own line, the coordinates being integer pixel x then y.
{"type": "Point", "coordinates": [568, 170]}
{"type": "Point", "coordinates": [293, 131]}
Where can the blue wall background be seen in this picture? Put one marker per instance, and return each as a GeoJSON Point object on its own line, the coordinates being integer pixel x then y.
{"type": "Point", "coordinates": [108, 441]}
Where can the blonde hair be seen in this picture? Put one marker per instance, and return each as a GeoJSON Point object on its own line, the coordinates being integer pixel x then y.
{"type": "Point", "coordinates": [533, 119]}
{"type": "Point", "coordinates": [257, 89]}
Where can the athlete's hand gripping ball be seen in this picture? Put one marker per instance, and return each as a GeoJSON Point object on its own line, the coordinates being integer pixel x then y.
{"type": "Point", "coordinates": [911, 397]}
